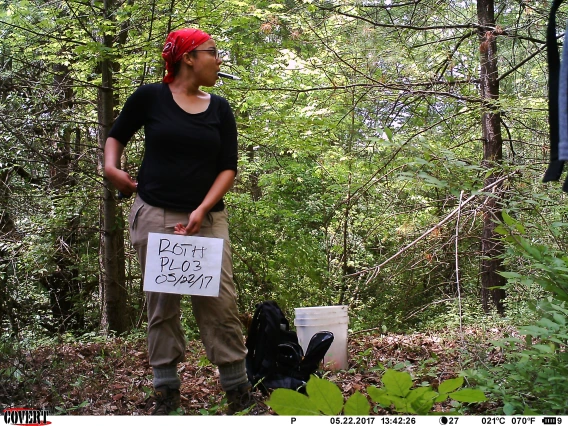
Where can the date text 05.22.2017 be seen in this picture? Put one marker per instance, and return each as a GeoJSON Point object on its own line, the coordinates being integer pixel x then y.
{"type": "Point", "coordinates": [357, 420]}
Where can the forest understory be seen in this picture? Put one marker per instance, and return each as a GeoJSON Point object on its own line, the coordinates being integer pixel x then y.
{"type": "Point", "coordinates": [113, 377]}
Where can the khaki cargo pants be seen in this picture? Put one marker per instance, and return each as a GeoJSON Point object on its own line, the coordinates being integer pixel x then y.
{"type": "Point", "coordinates": [217, 317]}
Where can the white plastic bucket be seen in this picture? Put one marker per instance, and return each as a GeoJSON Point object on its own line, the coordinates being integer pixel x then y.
{"type": "Point", "coordinates": [309, 321]}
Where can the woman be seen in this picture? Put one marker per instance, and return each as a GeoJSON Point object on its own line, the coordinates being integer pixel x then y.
{"type": "Point", "coordinates": [190, 162]}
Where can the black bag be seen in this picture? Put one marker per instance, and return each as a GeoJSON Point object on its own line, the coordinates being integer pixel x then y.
{"type": "Point", "coordinates": [275, 359]}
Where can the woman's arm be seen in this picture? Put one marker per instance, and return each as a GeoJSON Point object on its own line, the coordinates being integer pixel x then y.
{"type": "Point", "coordinates": [119, 178]}
{"type": "Point", "coordinates": [220, 187]}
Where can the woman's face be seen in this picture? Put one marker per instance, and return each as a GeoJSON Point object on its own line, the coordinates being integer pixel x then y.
{"type": "Point", "coordinates": [206, 63]}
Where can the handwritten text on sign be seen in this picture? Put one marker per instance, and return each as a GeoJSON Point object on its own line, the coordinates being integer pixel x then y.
{"type": "Point", "coordinates": [183, 265]}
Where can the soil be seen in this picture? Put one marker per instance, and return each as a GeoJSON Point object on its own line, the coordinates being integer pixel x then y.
{"type": "Point", "coordinates": [113, 377]}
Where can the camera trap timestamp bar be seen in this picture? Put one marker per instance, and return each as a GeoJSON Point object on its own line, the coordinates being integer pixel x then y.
{"type": "Point", "coordinates": [433, 420]}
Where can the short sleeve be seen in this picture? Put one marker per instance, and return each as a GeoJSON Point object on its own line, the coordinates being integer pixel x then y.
{"type": "Point", "coordinates": [133, 114]}
{"type": "Point", "coordinates": [228, 155]}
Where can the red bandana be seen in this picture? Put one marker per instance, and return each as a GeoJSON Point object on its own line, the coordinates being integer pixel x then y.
{"type": "Point", "coordinates": [178, 43]}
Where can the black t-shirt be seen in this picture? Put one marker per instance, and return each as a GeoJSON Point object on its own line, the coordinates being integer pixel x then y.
{"type": "Point", "coordinates": [184, 153]}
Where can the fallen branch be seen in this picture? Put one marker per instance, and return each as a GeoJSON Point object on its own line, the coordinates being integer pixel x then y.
{"type": "Point", "coordinates": [375, 270]}
{"type": "Point", "coordinates": [423, 308]}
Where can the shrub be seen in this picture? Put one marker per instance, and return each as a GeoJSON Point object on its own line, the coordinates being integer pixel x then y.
{"type": "Point", "coordinates": [324, 397]}
{"type": "Point", "coordinates": [533, 380]}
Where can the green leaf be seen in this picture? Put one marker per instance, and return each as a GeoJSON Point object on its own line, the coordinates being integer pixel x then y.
{"type": "Point", "coordinates": [441, 398]}
{"type": "Point", "coordinates": [83, 404]}
{"type": "Point", "coordinates": [432, 180]}
{"type": "Point", "coordinates": [417, 393]}
{"type": "Point", "coordinates": [510, 275]}
{"type": "Point", "coordinates": [397, 383]}
{"type": "Point", "coordinates": [450, 385]}
{"type": "Point", "coordinates": [357, 405]}
{"type": "Point", "coordinates": [422, 399]}
{"type": "Point", "coordinates": [559, 319]}
{"type": "Point", "coordinates": [530, 249]}
{"type": "Point", "coordinates": [287, 402]}
{"type": "Point", "coordinates": [325, 395]}
{"type": "Point", "coordinates": [468, 395]}
{"type": "Point", "coordinates": [544, 348]}
{"type": "Point", "coordinates": [545, 322]}
{"type": "Point", "coordinates": [512, 222]}
{"type": "Point", "coordinates": [501, 230]}
{"type": "Point", "coordinates": [533, 330]}
{"type": "Point", "coordinates": [379, 395]}
{"type": "Point", "coordinates": [402, 405]}
{"type": "Point", "coordinates": [530, 412]}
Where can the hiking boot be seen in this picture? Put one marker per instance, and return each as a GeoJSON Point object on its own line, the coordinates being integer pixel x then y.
{"type": "Point", "coordinates": [167, 400]}
{"type": "Point", "coordinates": [239, 399]}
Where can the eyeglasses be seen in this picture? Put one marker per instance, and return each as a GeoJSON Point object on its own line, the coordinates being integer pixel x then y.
{"type": "Point", "coordinates": [213, 52]}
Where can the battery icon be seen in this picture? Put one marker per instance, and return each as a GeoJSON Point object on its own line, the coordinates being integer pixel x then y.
{"type": "Point", "coordinates": [549, 420]}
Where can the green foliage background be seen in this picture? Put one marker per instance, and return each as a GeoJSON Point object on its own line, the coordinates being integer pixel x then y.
{"type": "Point", "coordinates": [359, 131]}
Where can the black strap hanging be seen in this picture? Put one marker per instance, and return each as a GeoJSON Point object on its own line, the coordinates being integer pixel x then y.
{"type": "Point", "coordinates": [555, 166]}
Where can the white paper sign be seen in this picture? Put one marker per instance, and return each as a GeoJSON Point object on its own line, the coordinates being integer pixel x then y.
{"type": "Point", "coordinates": [183, 265]}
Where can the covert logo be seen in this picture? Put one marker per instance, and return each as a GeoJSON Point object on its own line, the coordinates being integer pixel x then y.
{"type": "Point", "coordinates": [25, 417]}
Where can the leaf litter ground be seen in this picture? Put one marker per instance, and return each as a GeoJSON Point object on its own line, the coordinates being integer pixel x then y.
{"type": "Point", "coordinates": [114, 378]}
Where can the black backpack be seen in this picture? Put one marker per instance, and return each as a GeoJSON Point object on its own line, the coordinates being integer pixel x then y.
{"type": "Point", "coordinates": [275, 359]}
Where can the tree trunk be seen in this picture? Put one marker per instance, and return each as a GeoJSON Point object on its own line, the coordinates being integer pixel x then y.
{"type": "Point", "coordinates": [5, 82]}
{"type": "Point", "coordinates": [491, 246]}
{"type": "Point", "coordinates": [255, 191]}
{"type": "Point", "coordinates": [7, 231]}
{"type": "Point", "coordinates": [62, 284]}
{"type": "Point", "coordinates": [114, 294]}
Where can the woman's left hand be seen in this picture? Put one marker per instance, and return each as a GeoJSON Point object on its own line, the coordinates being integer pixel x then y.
{"type": "Point", "coordinates": [193, 226]}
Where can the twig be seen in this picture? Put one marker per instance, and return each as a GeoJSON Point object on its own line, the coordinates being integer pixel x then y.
{"type": "Point", "coordinates": [139, 322]}
{"type": "Point", "coordinates": [353, 333]}
{"type": "Point", "coordinates": [423, 308]}
{"type": "Point", "coordinates": [457, 265]}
